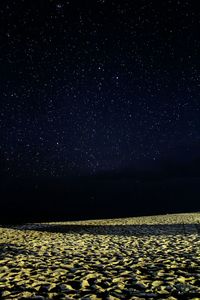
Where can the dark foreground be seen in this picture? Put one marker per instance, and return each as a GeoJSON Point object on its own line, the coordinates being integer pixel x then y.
{"type": "Point", "coordinates": [132, 258]}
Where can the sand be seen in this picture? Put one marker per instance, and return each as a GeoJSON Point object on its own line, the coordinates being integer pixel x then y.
{"type": "Point", "coordinates": [154, 257]}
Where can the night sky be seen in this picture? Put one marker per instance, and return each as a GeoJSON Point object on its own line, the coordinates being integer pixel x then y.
{"type": "Point", "coordinates": [90, 87]}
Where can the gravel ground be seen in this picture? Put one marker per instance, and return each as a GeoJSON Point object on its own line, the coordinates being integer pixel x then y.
{"type": "Point", "coordinates": [155, 257]}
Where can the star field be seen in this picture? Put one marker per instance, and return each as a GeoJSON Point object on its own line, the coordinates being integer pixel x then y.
{"type": "Point", "coordinates": [91, 86]}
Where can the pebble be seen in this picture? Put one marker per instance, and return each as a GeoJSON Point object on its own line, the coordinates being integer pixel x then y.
{"type": "Point", "coordinates": [130, 258]}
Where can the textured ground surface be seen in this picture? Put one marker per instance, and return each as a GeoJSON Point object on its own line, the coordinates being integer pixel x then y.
{"type": "Point", "coordinates": [135, 258]}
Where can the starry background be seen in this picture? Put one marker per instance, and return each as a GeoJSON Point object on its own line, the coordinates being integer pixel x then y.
{"type": "Point", "coordinates": [91, 88]}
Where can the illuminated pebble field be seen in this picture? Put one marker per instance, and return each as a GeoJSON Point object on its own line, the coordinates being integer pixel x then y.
{"type": "Point", "coordinates": [154, 257]}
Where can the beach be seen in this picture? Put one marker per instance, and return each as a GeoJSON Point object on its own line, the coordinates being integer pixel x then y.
{"type": "Point", "coordinates": [152, 257]}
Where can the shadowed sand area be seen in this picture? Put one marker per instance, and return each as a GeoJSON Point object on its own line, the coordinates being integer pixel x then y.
{"type": "Point", "coordinates": [155, 257]}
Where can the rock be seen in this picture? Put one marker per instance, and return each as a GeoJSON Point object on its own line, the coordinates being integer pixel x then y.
{"type": "Point", "coordinates": [136, 259]}
{"type": "Point", "coordinates": [157, 283]}
{"type": "Point", "coordinates": [5, 293]}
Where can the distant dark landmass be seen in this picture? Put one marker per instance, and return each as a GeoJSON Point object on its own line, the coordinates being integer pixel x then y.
{"type": "Point", "coordinates": [156, 188]}
{"type": "Point", "coordinates": [102, 196]}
